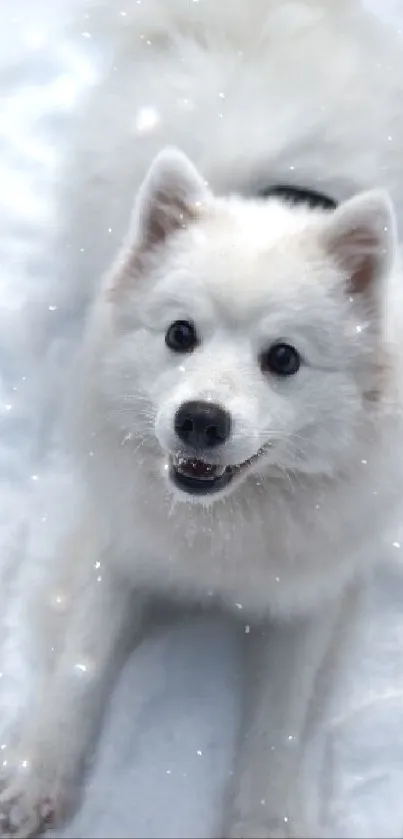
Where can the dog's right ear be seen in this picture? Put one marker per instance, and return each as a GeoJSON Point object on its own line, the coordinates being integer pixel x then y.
{"type": "Point", "coordinates": [170, 198]}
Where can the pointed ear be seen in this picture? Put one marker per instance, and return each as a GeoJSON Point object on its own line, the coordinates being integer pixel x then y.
{"type": "Point", "coordinates": [361, 237]}
{"type": "Point", "coordinates": [169, 198]}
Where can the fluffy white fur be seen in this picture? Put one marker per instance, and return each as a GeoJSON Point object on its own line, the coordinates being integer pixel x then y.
{"type": "Point", "coordinates": [255, 94]}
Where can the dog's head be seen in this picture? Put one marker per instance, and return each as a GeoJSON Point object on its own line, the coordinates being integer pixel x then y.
{"type": "Point", "coordinates": [247, 335]}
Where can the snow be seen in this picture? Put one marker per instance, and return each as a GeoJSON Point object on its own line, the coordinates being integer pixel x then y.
{"type": "Point", "coordinates": [165, 753]}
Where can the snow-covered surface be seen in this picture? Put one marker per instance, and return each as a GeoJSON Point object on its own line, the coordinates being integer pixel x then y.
{"type": "Point", "coordinates": [164, 756]}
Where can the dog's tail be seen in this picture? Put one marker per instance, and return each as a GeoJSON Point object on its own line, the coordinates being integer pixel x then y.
{"type": "Point", "coordinates": [240, 86]}
{"type": "Point", "coordinates": [237, 22]}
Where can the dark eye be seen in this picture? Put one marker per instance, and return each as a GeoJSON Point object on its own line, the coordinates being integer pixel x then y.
{"type": "Point", "coordinates": [181, 336]}
{"type": "Point", "coordinates": [281, 359]}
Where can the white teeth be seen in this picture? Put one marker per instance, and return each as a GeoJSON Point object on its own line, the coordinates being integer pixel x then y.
{"type": "Point", "coordinates": [181, 463]}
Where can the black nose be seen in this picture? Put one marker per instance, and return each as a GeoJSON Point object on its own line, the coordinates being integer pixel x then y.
{"type": "Point", "coordinates": [202, 425]}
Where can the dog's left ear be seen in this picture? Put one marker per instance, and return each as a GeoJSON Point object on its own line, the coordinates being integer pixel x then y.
{"type": "Point", "coordinates": [361, 236]}
{"type": "Point", "coordinates": [170, 198]}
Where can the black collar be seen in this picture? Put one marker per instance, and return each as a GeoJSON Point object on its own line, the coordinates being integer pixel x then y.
{"type": "Point", "coordinates": [299, 195]}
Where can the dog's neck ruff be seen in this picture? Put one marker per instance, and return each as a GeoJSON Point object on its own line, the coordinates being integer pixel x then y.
{"type": "Point", "coordinates": [299, 195]}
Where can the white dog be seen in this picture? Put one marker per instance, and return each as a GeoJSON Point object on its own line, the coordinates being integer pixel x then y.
{"type": "Point", "coordinates": [238, 391]}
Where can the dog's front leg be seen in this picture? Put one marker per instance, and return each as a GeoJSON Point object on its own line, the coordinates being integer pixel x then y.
{"type": "Point", "coordinates": [54, 734]}
{"type": "Point", "coordinates": [287, 666]}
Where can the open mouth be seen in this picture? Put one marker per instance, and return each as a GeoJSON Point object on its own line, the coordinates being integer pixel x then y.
{"type": "Point", "coordinates": [197, 477]}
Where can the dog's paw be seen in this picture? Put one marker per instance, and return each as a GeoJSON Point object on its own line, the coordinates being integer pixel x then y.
{"type": "Point", "coordinates": [29, 804]}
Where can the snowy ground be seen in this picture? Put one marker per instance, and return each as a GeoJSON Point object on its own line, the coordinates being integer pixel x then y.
{"type": "Point", "coordinates": [165, 753]}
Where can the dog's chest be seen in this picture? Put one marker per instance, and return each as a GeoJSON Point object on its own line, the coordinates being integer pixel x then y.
{"type": "Point", "coordinates": [253, 564]}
